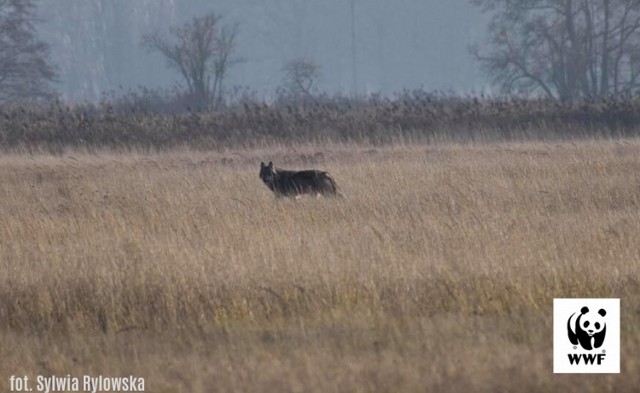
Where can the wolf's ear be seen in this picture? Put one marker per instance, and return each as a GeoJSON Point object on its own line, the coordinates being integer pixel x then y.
{"type": "Point", "coordinates": [261, 164]}
{"type": "Point", "coordinates": [270, 165]}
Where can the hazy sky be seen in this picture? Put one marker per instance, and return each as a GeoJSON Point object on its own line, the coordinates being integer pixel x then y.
{"type": "Point", "coordinates": [400, 44]}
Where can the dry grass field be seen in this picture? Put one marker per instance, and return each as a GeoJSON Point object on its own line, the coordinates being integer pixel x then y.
{"type": "Point", "coordinates": [436, 272]}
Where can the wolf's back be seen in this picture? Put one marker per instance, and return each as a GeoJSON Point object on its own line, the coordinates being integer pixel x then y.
{"type": "Point", "coordinates": [314, 181]}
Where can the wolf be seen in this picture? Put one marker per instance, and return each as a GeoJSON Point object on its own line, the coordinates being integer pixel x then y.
{"type": "Point", "coordinates": [285, 183]}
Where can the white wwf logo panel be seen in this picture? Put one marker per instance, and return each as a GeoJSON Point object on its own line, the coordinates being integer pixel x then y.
{"type": "Point", "coordinates": [586, 335]}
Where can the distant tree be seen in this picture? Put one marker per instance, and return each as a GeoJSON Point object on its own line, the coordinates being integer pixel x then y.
{"type": "Point", "coordinates": [25, 68]}
{"type": "Point", "coordinates": [223, 60]}
{"type": "Point", "coordinates": [564, 49]}
{"type": "Point", "coordinates": [201, 52]}
{"type": "Point", "coordinates": [300, 76]}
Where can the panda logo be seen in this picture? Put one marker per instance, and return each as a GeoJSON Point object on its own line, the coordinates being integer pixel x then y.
{"type": "Point", "coordinates": [587, 328]}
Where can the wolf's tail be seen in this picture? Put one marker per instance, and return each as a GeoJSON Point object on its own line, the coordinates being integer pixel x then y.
{"type": "Point", "coordinates": [334, 186]}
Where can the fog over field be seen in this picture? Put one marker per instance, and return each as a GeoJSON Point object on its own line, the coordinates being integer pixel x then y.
{"type": "Point", "coordinates": [399, 44]}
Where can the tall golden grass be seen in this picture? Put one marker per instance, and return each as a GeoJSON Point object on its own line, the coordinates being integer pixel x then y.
{"type": "Point", "coordinates": [436, 272]}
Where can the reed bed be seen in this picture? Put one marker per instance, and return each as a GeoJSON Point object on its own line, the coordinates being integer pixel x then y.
{"type": "Point", "coordinates": [140, 123]}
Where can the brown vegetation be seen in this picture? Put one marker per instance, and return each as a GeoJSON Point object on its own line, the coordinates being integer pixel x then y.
{"type": "Point", "coordinates": [436, 272]}
{"type": "Point", "coordinates": [131, 122]}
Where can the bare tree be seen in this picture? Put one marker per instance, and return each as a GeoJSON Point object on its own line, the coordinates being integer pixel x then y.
{"type": "Point", "coordinates": [201, 52]}
{"type": "Point", "coordinates": [223, 60]}
{"type": "Point", "coordinates": [565, 49]}
{"type": "Point", "coordinates": [25, 70]}
{"type": "Point", "coordinates": [300, 76]}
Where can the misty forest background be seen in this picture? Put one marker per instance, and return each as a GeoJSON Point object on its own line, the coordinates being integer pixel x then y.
{"type": "Point", "coordinates": [123, 74]}
{"type": "Point", "coordinates": [96, 44]}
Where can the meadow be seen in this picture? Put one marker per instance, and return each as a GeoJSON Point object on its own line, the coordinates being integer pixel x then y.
{"type": "Point", "coordinates": [436, 271]}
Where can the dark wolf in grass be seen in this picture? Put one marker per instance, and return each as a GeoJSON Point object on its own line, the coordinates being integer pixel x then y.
{"type": "Point", "coordinates": [297, 183]}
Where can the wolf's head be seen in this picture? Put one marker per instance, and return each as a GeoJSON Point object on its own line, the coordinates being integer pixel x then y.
{"type": "Point", "coordinates": [267, 172]}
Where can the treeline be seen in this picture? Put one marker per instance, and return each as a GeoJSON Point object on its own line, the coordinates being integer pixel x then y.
{"type": "Point", "coordinates": [147, 122]}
